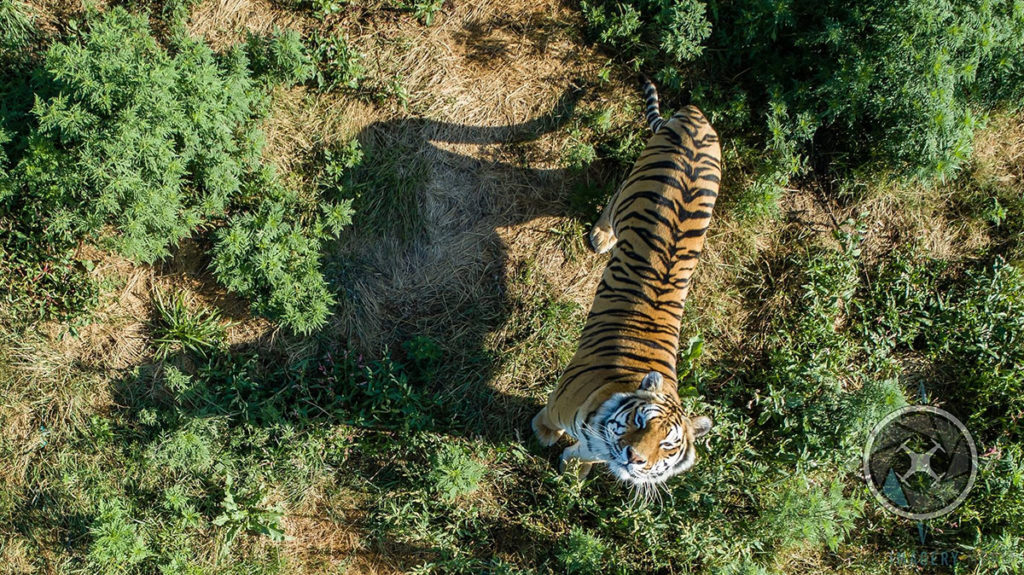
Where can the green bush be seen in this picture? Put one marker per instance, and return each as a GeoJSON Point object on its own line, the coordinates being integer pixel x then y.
{"type": "Point", "coordinates": [970, 323]}
{"type": "Point", "coordinates": [338, 65]}
{"type": "Point", "coordinates": [152, 144]}
{"type": "Point", "coordinates": [155, 145]}
{"type": "Point", "coordinates": [116, 544]}
{"type": "Point", "coordinates": [280, 58]}
{"type": "Point", "coordinates": [801, 514]}
{"type": "Point", "coordinates": [241, 514]}
{"type": "Point", "coordinates": [896, 82]}
{"type": "Point", "coordinates": [271, 255]}
{"type": "Point", "coordinates": [653, 34]}
{"type": "Point", "coordinates": [902, 85]}
{"type": "Point", "coordinates": [581, 553]}
{"type": "Point", "coordinates": [454, 473]}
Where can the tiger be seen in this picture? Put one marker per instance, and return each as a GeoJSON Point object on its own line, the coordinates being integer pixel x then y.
{"type": "Point", "coordinates": [618, 397]}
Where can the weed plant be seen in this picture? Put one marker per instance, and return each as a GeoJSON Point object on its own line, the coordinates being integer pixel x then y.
{"type": "Point", "coordinates": [838, 88]}
{"type": "Point", "coordinates": [156, 145]}
{"type": "Point", "coordinates": [178, 327]}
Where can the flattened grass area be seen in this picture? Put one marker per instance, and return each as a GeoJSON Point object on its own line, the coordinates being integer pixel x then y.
{"type": "Point", "coordinates": [168, 429]}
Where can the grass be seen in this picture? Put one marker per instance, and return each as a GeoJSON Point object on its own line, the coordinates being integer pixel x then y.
{"type": "Point", "coordinates": [178, 327]}
{"type": "Point", "coordinates": [168, 434]}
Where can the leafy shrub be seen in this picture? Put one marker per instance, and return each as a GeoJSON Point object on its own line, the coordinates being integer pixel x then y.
{"type": "Point", "coordinates": [153, 144]}
{"type": "Point", "coordinates": [803, 514]}
{"type": "Point", "coordinates": [280, 58]}
{"type": "Point", "coordinates": [271, 255]}
{"type": "Point", "coordinates": [116, 541]}
{"type": "Point", "coordinates": [836, 86]}
{"type": "Point", "coordinates": [190, 450]}
{"type": "Point", "coordinates": [581, 553]}
{"type": "Point", "coordinates": [454, 473]}
{"type": "Point", "coordinates": [425, 357]}
{"type": "Point", "coordinates": [337, 160]}
{"type": "Point", "coordinates": [338, 65]}
{"type": "Point", "coordinates": [893, 82]}
{"type": "Point", "coordinates": [244, 514]}
{"type": "Point", "coordinates": [970, 324]}
{"type": "Point", "coordinates": [809, 353]}
{"type": "Point", "coordinates": [379, 394]}
{"type": "Point", "coordinates": [651, 33]}
{"type": "Point", "coordinates": [156, 145]}
{"type": "Point", "coordinates": [978, 331]}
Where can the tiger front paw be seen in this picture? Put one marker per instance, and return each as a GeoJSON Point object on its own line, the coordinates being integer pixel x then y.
{"type": "Point", "coordinates": [602, 239]}
{"type": "Point", "coordinates": [546, 435]}
{"type": "Point", "coordinates": [570, 464]}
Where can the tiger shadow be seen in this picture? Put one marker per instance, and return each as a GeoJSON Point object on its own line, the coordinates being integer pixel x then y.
{"type": "Point", "coordinates": [443, 272]}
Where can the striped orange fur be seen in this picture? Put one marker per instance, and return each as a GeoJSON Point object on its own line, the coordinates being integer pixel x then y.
{"type": "Point", "coordinates": [617, 397]}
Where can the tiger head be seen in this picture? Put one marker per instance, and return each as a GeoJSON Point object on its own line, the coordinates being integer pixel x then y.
{"type": "Point", "coordinates": [646, 436]}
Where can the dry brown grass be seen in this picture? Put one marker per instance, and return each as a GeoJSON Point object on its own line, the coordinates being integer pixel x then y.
{"type": "Point", "coordinates": [931, 215]}
{"type": "Point", "coordinates": [485, 200]}
{"type": "Point", "coordinates": [224, 23]}
{"type": "Point", "coordinates": [999, 150]}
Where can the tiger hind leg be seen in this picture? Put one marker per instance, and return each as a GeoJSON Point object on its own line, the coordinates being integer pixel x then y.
{"type": "Point", "coordinates": [547, 433]}
{"type": "Point", "coordinates": [602, 235]}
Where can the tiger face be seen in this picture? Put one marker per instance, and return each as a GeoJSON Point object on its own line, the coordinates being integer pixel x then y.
{"type": "Point", "coordinates": [647, 438]}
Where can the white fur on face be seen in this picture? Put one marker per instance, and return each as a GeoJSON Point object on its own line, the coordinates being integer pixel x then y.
{"type": "Point", "coordinates": [613, 421]}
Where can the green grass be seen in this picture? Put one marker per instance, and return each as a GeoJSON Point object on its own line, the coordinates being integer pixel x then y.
{"type": "Point", "coordinates": [386, 185]}
{"type": "Point", "coordinates": [178, 327]}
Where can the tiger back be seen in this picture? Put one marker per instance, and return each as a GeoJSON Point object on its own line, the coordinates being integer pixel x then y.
{"type": "Point", "coordinates": [617, 397]}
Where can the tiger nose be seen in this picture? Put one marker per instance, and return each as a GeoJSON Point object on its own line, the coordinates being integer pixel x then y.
{"type": "Point", "coordinates": [633, 457]}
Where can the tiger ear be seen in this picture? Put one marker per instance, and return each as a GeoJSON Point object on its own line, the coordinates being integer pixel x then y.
{"type": "Point", "coordinates": [652, 382]}
{"type": "Point", "coordinates": [701, 425]}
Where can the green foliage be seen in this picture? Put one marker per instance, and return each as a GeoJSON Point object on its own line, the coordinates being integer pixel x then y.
{"type": "Point", "coordinates": [382, 396]}
{"type": "Point", "coordinates": [244, 514]}
{"type": "Point", "coordinates": [899, 86]}
{"type": "Point", "coordinates": [454, 473]}
{"type": "Point", "coordinates": [325, 8]}
{"type": "Point", "coordinates": [188, 451]}
{"type": "Point", "coordinates": [338, 65]}
{"type": "Point", "coordinates": [980, 330]}
{"type": "Point", "coordinates": [972, 324]}
{"type": "Point", "coordinates": [660, 34]}
{"type": "Point", "coordinates": [337, 160]}
{"type": "Point", "coordinates": [800, 514]}
{"type": "Point", "coordinates": [177, 326]}
{"type": "Point", "coordinates": [810, 353]}
{"type": "Point", "coordinates": [116, 542]}
{"type": "Point", "coordinates": [579, 155]}
{"type": "Point", "coordinates": [426, 357]}
{"type": "Point", "coordinates": [16, 28]}
{"type": "Point", "coordinates": [271, 255]}
{"type": "Point", "coordinates": [158, 145]}
{"type": "Point", "coordinates": [895, 84]}
{"type": "Point", "coordinates": [212, 455]}
{"type": "Point", "coordinates": [686, 372]}
{"type": "Point", "coordinates": [581, 552]}
{"type": "Point", "coordinates": [424, 10]}
{"type": "Point", "coordinates": [158, 142]}
{"type": "Point", "coordinates": [280, 58]}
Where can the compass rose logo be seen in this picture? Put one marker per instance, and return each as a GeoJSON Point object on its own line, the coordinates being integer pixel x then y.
{"type": "Point", "coordinates": [920, 462]}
